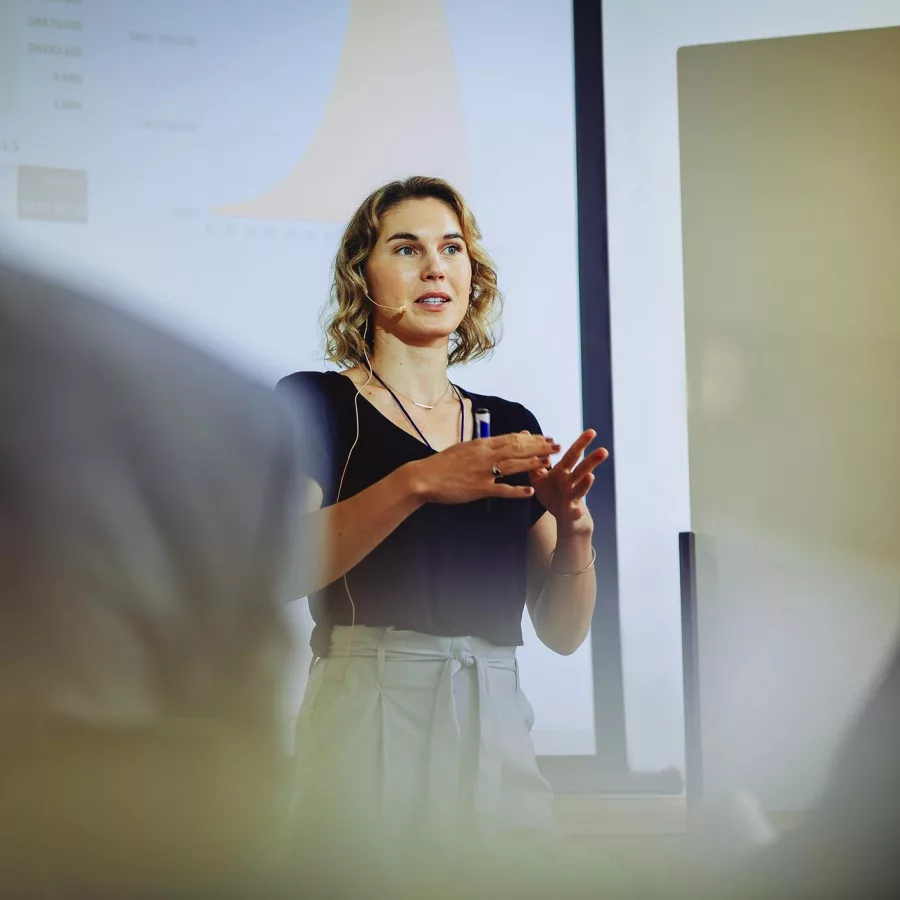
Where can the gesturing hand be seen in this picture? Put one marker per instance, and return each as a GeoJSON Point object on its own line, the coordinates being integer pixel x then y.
{"type": "Point", "coordinates": [469, 471]}
{"type": "Point", "coordinates": [562, 488]}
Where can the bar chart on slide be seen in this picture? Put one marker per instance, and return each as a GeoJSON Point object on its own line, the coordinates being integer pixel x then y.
{"type": "Point", "coordinates": [367, 135]}
{"type": "Point", "coordinates": [208, 134]}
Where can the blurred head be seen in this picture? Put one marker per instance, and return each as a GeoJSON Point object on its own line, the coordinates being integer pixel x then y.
{"type": "Point", "coordinates": [412, 247]}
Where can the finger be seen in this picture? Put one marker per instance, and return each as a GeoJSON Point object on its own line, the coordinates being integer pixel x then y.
{"type": "Point", "coordinates": [517, 466]}
{"type": "Point", "coordinates": [510, 491]}
{"type": "Point", "coordinates": [528, 444]}
{"type": "Point", "coordinates": [590, 462]}
{"type": "Point", "coordinates": [582, 486]}
{"type": "Point", "coordinates": [521, 445]}
{"type": "Point", "coordinates": [573, 454]}
{"type": "Point", "coordinates": [522, 439]}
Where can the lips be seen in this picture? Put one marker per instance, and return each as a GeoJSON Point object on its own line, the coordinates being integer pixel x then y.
{"type": "Point", "coordinates": [433, 300]}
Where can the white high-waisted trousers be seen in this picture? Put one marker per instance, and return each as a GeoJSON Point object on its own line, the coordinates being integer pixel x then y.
{"type": "Point", "coordinates": [410, 740]}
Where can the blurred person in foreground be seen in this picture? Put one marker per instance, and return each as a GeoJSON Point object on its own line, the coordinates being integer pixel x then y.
{"type": "Point", "coordinates": [148, 539]}
{"type": "Point", "coordinates": [847, 845]}
{"type": "Point", "coordinates": [844, 847]}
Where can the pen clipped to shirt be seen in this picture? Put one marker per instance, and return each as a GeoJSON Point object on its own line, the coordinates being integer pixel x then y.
{"type": "Point", "coordinates": [482, 423]}
{"type": "Point", "coordinates": [483, 430]}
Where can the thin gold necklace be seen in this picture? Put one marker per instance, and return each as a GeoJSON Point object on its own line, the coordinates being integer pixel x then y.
{"type": "Point", "coordinates": [416, 402]}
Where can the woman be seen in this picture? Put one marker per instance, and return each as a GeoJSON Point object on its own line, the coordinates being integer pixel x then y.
{"type": "Point", "coordinates": [414, 725]}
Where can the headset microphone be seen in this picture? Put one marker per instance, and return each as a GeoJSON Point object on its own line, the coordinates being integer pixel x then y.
{"type": "Point", "coordinates": [401, 309]}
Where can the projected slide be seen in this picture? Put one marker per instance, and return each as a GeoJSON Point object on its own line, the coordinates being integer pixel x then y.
{"type": "Point", "coordinates": [203, 156]}
{"type": "Point", "coordinates": [367, 130]}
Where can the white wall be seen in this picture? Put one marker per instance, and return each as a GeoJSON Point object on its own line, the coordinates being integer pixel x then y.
{"type": "Point", "coordinates": [641, 40]}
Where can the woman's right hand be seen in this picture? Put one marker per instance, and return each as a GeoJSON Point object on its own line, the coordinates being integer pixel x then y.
{"type": "Point", "coordinates": [468, 471]}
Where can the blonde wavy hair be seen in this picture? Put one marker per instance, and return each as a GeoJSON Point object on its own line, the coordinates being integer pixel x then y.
{"type": "Point", "coordinates": [348, 337]}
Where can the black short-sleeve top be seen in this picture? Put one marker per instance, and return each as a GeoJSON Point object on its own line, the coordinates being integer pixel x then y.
{"type": "Point", "coordinates": [448, 570]}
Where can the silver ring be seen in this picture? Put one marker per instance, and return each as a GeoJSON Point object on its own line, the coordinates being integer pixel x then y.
{"type": "Point", "coordinates": [497, 472]}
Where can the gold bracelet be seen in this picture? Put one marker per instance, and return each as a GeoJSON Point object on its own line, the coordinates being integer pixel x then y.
{"type": "Point", "coordinates": [590, 565]}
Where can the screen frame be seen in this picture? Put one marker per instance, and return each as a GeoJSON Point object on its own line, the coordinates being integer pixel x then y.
{"type": "Point", "coordinates": [607, 771]}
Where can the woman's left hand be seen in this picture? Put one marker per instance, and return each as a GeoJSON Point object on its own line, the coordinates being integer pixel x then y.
{"type": "Point", "coordinates": [562, 488]}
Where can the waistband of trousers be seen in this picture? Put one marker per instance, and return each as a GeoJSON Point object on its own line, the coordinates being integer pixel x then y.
{"type": "Point", "coordinates": [367, 640]}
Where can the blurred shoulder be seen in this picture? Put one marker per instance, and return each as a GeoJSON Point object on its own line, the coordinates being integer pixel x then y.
{"type": "Point", "coordinates": [306, 383]}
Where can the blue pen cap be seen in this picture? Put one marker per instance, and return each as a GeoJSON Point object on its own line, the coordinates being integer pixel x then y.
{"type": "Point", "coordinates": [483, 423]}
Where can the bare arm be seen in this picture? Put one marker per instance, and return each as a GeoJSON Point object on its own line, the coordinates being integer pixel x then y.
{"type": "Point", "coordinates": [561, 607]}
{"type": "Point", "coordinates": [348, 531]}
{"type": "Point", "coordinates": [561, 595]}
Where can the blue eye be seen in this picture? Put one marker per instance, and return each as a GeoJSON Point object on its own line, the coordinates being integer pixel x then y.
{"type": "Point", "coordinates": [455, 248]}
{"type": "Point", "coordinates": [401, 249]}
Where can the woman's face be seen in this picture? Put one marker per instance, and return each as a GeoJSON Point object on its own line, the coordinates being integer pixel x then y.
{"type": "Point", "coordinates": [420, 267]}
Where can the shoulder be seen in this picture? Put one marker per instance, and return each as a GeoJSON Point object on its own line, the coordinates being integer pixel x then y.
{"type": "Point", "coordinates": [315, 388]}
{"type": "Point", "coordinates": [322, 382]}
{"type": "Point", "coordinates": [507, 416]}
{"type": "Point", "coordinates": [315, 396]}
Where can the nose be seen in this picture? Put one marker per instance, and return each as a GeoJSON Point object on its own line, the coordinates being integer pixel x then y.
{"type": "Point", "coordinates": [433, 267]}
